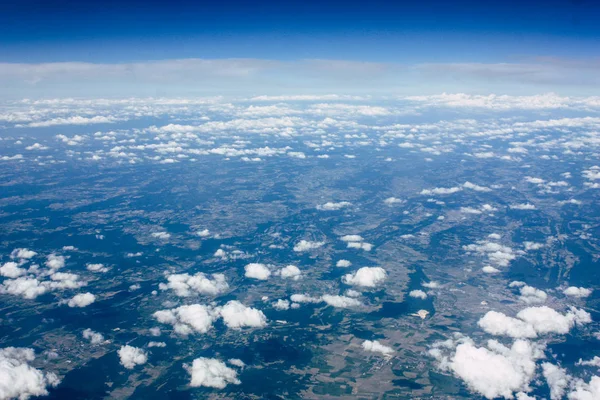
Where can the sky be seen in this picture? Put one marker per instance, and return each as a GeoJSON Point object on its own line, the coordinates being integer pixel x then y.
{"type": "Point", "coordinates": [132, 47]}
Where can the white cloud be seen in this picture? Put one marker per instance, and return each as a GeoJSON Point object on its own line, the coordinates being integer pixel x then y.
{"type": "Point", "coordinates": [488, 269]}
{"type": "Point", "coordinates": [577, 291]}
{"type": "Point", "coordinates": [96, 268]}
{"type": "Point", "coordinates": [352, 238]}
{"type": "Point", "coordinates": [11, 270]}
{"type": "Point", "coordinates": [203, 233]}
{"type": "Point", "coordinates": [185, 285]}
{"type": "Point", "coordinates": [390, 201]}
{"type": "Point", "coordinates": [496, 253]}
{"type": "Point", "coordinates": [340, 301]}
{"type": "Point", "coordinates": [376, 347]}
{"type": "Point", "coordinates": [161, 235]}
{"type": "Point", "coordinates": [522, 206]}
{"type": "Point", "coordinates": [557, 380]}
{"type": "Point", "coordinates": [366, 277]}
{"type": "Point", "coordinates": [257, 271]}
{"type": "Point", "coordinates": [20, 380]}
{"type": "Point", "coordinates": [28, 288]}
{"type": "Point", "coordinates": [547, 320]}
{"type": "Point", "coordinates": [75, 120]}
{"type": "Point", "coordinates": [36, 146]}
{"type": "Point", "coordinates": [93, 337]}
{"type": "Point", "coordinates": [290, 272]}
{"type": "Point", "coordinates": [305, 245]}
{"type": "Point", "coordinates": [55, 261]}
{"type": "Point", "coordinates": [418, 294]}
{"type": "Point", "coordinates": [442, 191]}
{"type": "Point", "coordinates": [493, 371]}
{"type": "Point", "coordinates": [594, 362]}
{"type": "Point", "coordinates": [210, 372]}
{"type": "Point", "coordinates": [296, 154]}
{"type": "Point", "coordinates": [356, 242]}
{"type": "Point", "coordinates": [220, 253]}
{"type": "Point", "coordinates": [477, 188]}
{"type": "Point", "coordinates": [533, 321]}
{"type": "Point", "coordinates": [343, 264]}
{"type": "Point", "coordinates": [431, 285]}
{"type": "Point", "coordinates": [157, 344]}
{"type": "Point", "coordinates": [586, 391]}
{"type": "Point", "coordinates": [531, 295]}
{"type": "Point", "coordinates": [360, 245]}
{"type": "Point", "coordinates": [82, 300]}
{"type": "Point", "coordinates": [237, 362]}
{"type": "Point", "coordinates": [130, 356]}
{"type": "Point", "coordinates": [281, 305]}
{"type": "Point", "coordinates": [304, 298]}
{"type": "Point", "coordinates": [236, 316]}
{"type": "Point", "coordinates": [532, 246]}
{"type": "Point", "coordinates": [497, 323]}
{"type": "Point", "coordinates": [470, 210]}
{"type": "Point", "coordinates": [63, 280]}
{"type": "Point", "coordinates": [23, 253]}
{"type": "Point", "coordinates": [188, 318]}
{"type": "Point", "coordinates": [330, 206]}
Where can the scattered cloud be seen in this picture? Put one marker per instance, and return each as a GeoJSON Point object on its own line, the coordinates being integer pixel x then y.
{"type": "Point", "coordinates": [210, 372]}
{"type": "Point", "coordinates": [130, 356]}
{"type": "Point", "coordinates": [366, 277]}
{"type": "Point", "coordinates": [376, 347]}
{"type": "Point", "coordinates": [257, 271]}
{"type": "Point", "coordinates": [81, 300]}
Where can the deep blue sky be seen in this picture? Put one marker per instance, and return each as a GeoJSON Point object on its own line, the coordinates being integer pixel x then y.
{"type": "Point", "coordinates": [87, 48]}
{"type": "Point", "coordinates": [417, 31]}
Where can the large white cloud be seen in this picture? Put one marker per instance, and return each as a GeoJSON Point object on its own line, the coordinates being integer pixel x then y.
{"type": "Point", "coordinates": [236, 316]}
{"type": "Point", "coordinates": [290, 272]}
{"type": "Point", "coordinates": [130, 356]}
{"type": "Point", "coordinates": [533, 321]}
{"type": "Point", "coordinates": [492, 371]}
{"type": "Point", "coordinates": [185, 285]}
{"type": "Point", "coordinates": [12, 270]}
{"type": "Point", "coordinates": [28, 288]}
{"type": "Point", "coordinates": [210, 372]}
{"type": "Point", "coordinates": [20, 380]}
{"type": "Point", "coordinates": [257, 271]}
{"type": "Point", "coordinates": [366, 277]}
{"type": "Point", "coordinates": [188, 319]}
{"type": "Point", "coordinates": [580, 292]}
